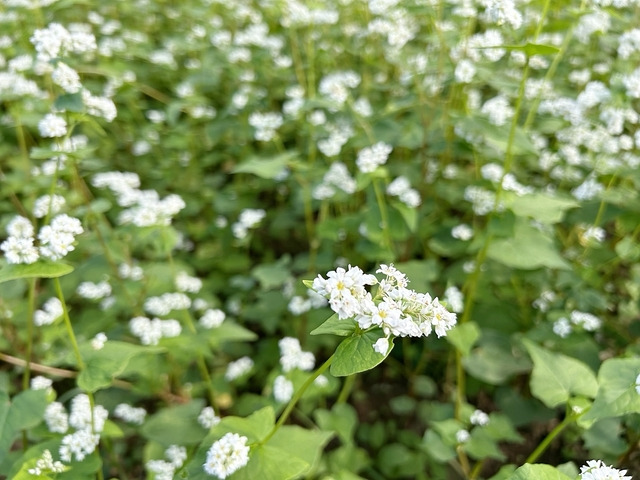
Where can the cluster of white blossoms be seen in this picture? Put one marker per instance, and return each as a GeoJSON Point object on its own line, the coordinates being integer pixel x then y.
{"type": "Point", "coordinates": [249, 218]}
{"type": "Point", "coordinates": [55, 41]}
{"type": "Point", "coordinates": [227, 455]}
{"type": "Point", "coordinates": [166, 303]}
{"type": "Point", "coordinates": [50, 312]}
{"type": "Point", "coordinates": [186, 283]}
{"type": "Point", "coordinates": [282, 389]}
{"type": "Point", "coordinates": [56, 239]}
{"type": "Point", "coordinates": [399, 311]}
{"type": "Point", "coordinates": [401, 188]}
{"type": "Point", "coordinates": [87, 422]}
{"type": "Point", "coordinates": [265, 124]}
{"type": "Point", "coordinates": [337, 177]}
{"type": "Point", "coordinates": [151, 331]}
{"type": "Point", "coordinates": [45, 464]}
{"type": "Point", "coordinates": [131, 272]}
{"type": "Point", "coordinates": [372, 157]}
{"type": "Point", "coordinates": [335, 86]}
{"type": "Point", "coordinates": [292, 356]}
{"type": "Point", "coordinates": [145, 207]}
{"type": "Point", "coordinates": [94, 291]}
{"type": "Point", "coordinates": [130, 414]}
{"type": "Point", "coordinates": [208, 418]}
{"type": "Point", "coordinates": [164, 469]}
{"type": "Point", "coordinates": [587, 321]}
{"type": "Point", "coordinates": [462, 232]}
{"type": "Point", "coordinates": [48, 205]}
{"type": "Point", "coordinates": [339, 135]}
{"type": "Point", "coordinates": [238, 368]}
{"type": "Point", "coordinates": [212, 318]}
{"type": "Point", "coordinates": [597, 470]}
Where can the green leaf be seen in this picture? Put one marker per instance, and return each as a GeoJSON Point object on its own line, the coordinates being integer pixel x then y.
{"type": "Point", "coordinates": [543, 207]}
{"type": "Point", "coordinates": [334, 326]}
{"type": "Point", "coordinates": [22, 412]}
{"type": "Point", "coordinates": [617, 393]}
{"type": "Point", "coordinates": [266, 167]}
{"type": "Point", "coordinates": [230, 332]}
{"type": "Point", "coordinates": [356, 354]}
{"type": "Point", "coordinates": [255, 427]}
{"type": "Point", "coordinates": [556, 377]}
{"type": "Point", "coordinates": [627, 249]}
{"type": "Point", "coordinates": [410, 215]}
{"type": "Point", "coordinates": [102, 366]}
{"type": "Point", "coordinates": [304, 444]}
{"type": "Point", "coordinates": [176, 425]}
{"type": "Point", "coordinates": [494, 360]}
{"type": "Point", "coordinates": [71, 102]}
{"type": "Point", "coordinates": [537, 471]}
{"type": "Point", "coordinates": [40, 269]}
{"type": "Point", "coordinates": [342, 419]}
{"type": "Point", "coordinates": [528, 249]}
{"type": "Point", "coordinates": [531, 49]}
{"type": "Point", "coordinates": [270, 463]}
{"type": "Point", "coordinates": [463, 337]}
{"type": "Point", "coordinates": [273, 275]}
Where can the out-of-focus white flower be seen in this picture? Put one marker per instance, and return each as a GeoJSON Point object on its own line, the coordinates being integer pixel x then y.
{"type": "Point", "coordinates": [282, 389]}
{"type": "Point", "coordinates": [238, 368]}
{"type": "Point", "coordinates": [227, 455]}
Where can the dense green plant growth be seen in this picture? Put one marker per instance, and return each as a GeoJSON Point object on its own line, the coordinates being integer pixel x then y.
{"type": "Point", "coordinates": [392, 239]}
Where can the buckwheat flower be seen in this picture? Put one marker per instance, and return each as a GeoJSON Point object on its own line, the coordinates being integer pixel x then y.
{"type": "Point", "coordinates": [462, 436]}
{"type": "Point", "coordinates": [465, 71]}
{"type": "Point", "coordinates": [504, 11]}
{"type": "Point", "coordinates": [292, 356]}
{"type": "Point", "coordinates": [208, 418]}
{"type": "Point", "coordinates": [49, 41]}
{"type": "Point", "coordinates": [498, 110]}
{"type": "Point", "coordinates": [40, 383]}
{"type": "Point", "coordinates": [94, 291]}
{"type": "Point", "coordinates": [161, 469]}
{"type": "Point", "coordinates": [19, 250]}
{"type": "Point", "coordinates": [299, 305]}
{"type": "Point", "coordinates": [586, 320]}
{"type": "Point", "coordinates": [20, 227]}
{"type": "Point", "coordinates": [227, 455]}
{"type": "Point", "coordinates": [265, 124]}
{"type": "Point", "coordinates": [78, 445]}
{"type": "Point", "coordinates": [98, 106]}
{"type": "Point", "coordinates": [592, 234]}
{"type": "Point", "coordinates": [335, 86]}
{"type": "Point", "coordinates": [66, 77]}
{"type": "Point", "coordinates": [238, 368]}
{"type": "Point", "coordinates": [81, 417]}
{"type": "Point", "coordinates": [133, 272]}
{"type": "Point", "coordinates": [52, 126]}
{"type": "Point", "coordinates": [212, 318]}
{"type": "Point", "coordinates": [454, 298]}
{"type": "Point", "coordinates": [46, 464]}
{"type": "Point", "coordinates": [48, 205]}
{"type": "Point", "coordinates": [166, 303]}
{"type": "Point", "coordinates": [176, 454]}
{"type": "Point", "coordinates": [56, 418]}
{"type": "Point", "coordinates": [562, 327]}
{"type": "Point", "coordinates": [597, 470]}
{"type": "Point", "coordinates": [381, 346]}
{"type": "Point", "coordinates": [130, 414]}
{"type": "Point", "coordinates": [186, 283]}
{"type": "Point", "coordinates": [345, 290]}
{"type": "Point", "coordinates": [97, 342]}
{"type": "Point", "coordinates": [51, 311]}
{"type": "Point", "coordinates": [372, 157]}
{"type": "Point", "coordinates": [478, 417]}
{"type": "Point", "coordinates": [282, 389]}
{"type": "Point", "coordinates": [462, 232]}
{"type": "Point", "coordinates": [321, 381]}
{"type": "Point", "coordinates": [147, 331]}
{"type": "Point", "coordinates": [638, 384]}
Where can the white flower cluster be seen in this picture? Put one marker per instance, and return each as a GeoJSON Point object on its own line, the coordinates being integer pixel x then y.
{"type": "Point", "coordinates": [212, 318]}
{"type": "Point", "coordinates": [151, 331]}
{"type": "Point", "coordinates": [238, 368]}
{"type": "Point", "coordinates": [482, 201]}
{"type": "Point", "coordinates": [503, 11]}
{"type": "Point", "coordinates": [55, 40]}
{"type": "Point", "coordinates": [166, 303]}
{"type": "Point", "coordinates": [265, 124]}
{"type": "Point", "coordinates": [292, 356]}
{"type": "Point", "coordinates": [94, 291]}
{"type": "Point", "coordinates": [339, 135]}
{"type": "Point", "coordinates": [52, 126]}
{"type": "Point", "coordinates": [132, 272]}
{"type": "Point", "coordinates": [40, 383]}
{"type": "Point", "coordinates": [145, 206]}
{"type": "Point", "coordinates": [45, 464]}
{"type": "Point", "coordinates": [249, 218]}
{"type": "Point", "coordinates": [396, 309]}
{"type": "Point", "coordinates": [299, 305]}
{"type": "Point", "coordinates": [48, 205]}
{"type": "Point", "coordinates": [299, 13]}
{"type": "Point", "coordinates": [130, 414]}
{"type": "Point", "coordinates": [165, 469]}
{"type": "Point", "coordinates": [372, 157]}
{"type": "Point", "coordinates": [335, 86]}
{"type": "Point", "coordinates": [87, 422]}
{"type": "Point", "coordinates": [282, 389]}
{"type": "Point", "coordinates": [589, 322]}
{"type": "Point", "coordinates": [336, 177]}
{"type": "Point", "coordinates": [498, 110]}
{"type": "Point", "coordinates": [401, 188]}
{"type": "Point", "coordinates": [478, 417]}
{"type": "Point", "coordinates": [227, 455]}
{"type": "Point", "coordinates": [629, 43]}
{"type": "Point", "coordinates": [97, 342]}
{"type": "Point", "coordinates": [462, 232]}
{"type": "Point", "coordinates": [51, 311]}
{"type": "Point", "coordinates": [208, 418]}
{"type": "Point", "coordinates": [454, 299]}
{"type": "Point", "coordinates": [187, 283]}
{"type": "Point", "coordinates": [597, 470]}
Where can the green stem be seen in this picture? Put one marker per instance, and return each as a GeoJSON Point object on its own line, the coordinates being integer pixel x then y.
{"type": "Point", "coordinates": [569, 419]}
{"type": "Point", "coordinates": [296, 396]}
{"type": "Point", "coordinates": [347, 386]}
{"type": "Point", "coordinates": [67, 323]}
{"type": "Point", "coordinates": [30, 308]}
{"type": "Point", "coordinates": [383, 215]}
